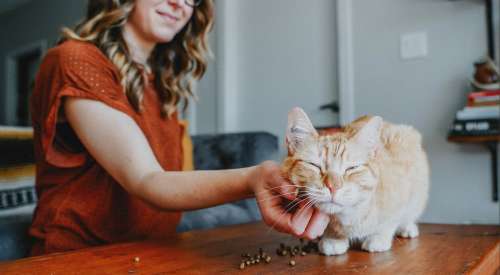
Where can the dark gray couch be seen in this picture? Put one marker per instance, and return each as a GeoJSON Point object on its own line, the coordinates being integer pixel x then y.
{"type": "Point", "coordinates": [211, 152]}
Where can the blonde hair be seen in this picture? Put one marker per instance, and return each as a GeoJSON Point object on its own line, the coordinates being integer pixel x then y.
{"type": "Point", "coordinates": [172, 63]}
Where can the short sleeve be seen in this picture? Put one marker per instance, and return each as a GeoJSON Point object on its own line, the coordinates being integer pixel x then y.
{"type": "Point", "coordinates": [72, 69]}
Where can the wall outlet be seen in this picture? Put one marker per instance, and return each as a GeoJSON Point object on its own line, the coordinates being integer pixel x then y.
{"type": "Point", "coordinates": [414, 45]}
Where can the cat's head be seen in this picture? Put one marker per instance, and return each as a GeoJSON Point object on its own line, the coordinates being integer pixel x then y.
{"type": "Point", "coordinates": [332, 170]}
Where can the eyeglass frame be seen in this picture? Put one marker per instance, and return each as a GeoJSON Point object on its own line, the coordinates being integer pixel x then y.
{"type": "Point", "coordinates": [193, 3]}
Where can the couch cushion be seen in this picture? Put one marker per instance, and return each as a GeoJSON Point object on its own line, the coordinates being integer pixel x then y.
{"type": "Point", "coordinates": [228, 151]}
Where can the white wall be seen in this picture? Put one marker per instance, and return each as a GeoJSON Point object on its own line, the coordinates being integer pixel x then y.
{"type": "Point", "coordinates": [205, 121]}
{"type": "Point", "coordinates": [31, 22]}
{"type": "Point", "coordinates": [426, 93]}
{"type": "Point", "coordinates": [274, 55]}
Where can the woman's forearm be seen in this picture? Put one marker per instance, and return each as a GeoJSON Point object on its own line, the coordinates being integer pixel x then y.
{"type": "Point", "coordinates": [195, 189]}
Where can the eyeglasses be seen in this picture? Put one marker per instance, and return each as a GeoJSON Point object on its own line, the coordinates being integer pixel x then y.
{"type": "Point", "coordinates": [193, 3]}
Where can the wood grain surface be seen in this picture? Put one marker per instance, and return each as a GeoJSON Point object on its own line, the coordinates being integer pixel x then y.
{"type": "Point", "coordinates": [440, 249]}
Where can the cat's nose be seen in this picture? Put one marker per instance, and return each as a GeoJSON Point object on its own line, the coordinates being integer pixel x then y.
{"type": "Point", "coordinates": [329, 184]}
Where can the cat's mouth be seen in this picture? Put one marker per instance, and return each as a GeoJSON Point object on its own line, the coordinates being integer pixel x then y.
{"type": "Point", "coordinates": [323, 200]}
{"type": "Point", "coordinates": [327, 205]}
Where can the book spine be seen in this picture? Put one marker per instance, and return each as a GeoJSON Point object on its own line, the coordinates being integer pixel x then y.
{"type": "Point", "coordinates": [476, 125]}
{"type": "Point", "coordinates": [484, 99]}
{"type": "Point", "coordinates": [474, 133]}
{"type": "Point", "coordinates": [484, 93]}
{"type": "Point", "coordinates": [472, 103]}
{"type": "Point", "coordinates": [479, 112]}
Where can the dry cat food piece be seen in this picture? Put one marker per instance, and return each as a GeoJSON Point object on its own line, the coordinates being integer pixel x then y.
{"type": "Point", "coordinates": [137, 259]}
{"type": "Point", "coordinates": [293, 250]}
{"type": "Point", "coordinates": [268, 259]}
{"type": "Point", "coordinates": [248, 260]}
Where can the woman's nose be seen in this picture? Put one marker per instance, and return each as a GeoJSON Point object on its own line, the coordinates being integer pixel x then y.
{"type": "Point", "coordinates": [175, 3]}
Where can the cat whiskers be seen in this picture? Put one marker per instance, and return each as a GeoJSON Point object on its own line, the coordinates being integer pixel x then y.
{"type": "Point", "coordinates": [306, 206]}
{"type": "Point", "coordinates": [288, 207]}
{"type": "Point", "coordinates": [277, 187]}
{"type": "Point", "coordinates": [275, 196]}
{"type": "Point", "coordinates": [294, 203]}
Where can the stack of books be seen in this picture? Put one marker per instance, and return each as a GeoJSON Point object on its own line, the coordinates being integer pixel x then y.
{"type": "Point", "coordinates": [481, 115]}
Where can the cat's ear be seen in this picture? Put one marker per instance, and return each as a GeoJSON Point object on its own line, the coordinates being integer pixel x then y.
{"type": "Point", "coordinates": [369, 135]}
{"type": "Point", "coordinates": [299, 130]}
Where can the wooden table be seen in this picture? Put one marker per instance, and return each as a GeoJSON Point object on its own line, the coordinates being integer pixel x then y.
{"type": "Point", "coordinates": [441, 249]}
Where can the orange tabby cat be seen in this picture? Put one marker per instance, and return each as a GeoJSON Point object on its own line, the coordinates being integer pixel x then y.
{"type": "Point", "coordinates": [372, 178]}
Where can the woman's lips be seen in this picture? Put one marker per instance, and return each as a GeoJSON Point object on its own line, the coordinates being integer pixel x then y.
{"type": "Point", "coordinates": [167, 16]}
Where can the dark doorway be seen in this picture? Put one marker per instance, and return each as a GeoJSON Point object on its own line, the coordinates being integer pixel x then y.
{"type": "Point", "coordinates": [27, 66]}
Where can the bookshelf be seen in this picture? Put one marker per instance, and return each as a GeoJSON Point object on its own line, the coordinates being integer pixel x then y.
{"type": "Point", "coordinates": [491, 142]}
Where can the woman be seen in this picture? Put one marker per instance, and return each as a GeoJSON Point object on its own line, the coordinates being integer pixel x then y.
{"type": "Point", "coordinates": [107, 138]}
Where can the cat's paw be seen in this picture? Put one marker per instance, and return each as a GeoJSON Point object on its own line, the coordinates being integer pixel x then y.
{"type": "Point", "coordinates": [330, 247]}
{"type": "Point", "coordinates": [408, 231]}
{"type": "Point", "coordinates": [377, 244]}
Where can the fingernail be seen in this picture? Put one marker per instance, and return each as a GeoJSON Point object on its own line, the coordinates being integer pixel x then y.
{"type": "Point", "coordinates": [298, 231]}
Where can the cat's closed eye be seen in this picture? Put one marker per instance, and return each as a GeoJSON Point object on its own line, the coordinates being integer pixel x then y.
{"type": "Point", "coordinates": [313, 164]}
{"type": "Point", "coordinates": [352, 168]}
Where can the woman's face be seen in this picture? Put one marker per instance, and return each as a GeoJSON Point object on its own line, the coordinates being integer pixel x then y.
{"type": "Point", "coordinates": [159, 21]}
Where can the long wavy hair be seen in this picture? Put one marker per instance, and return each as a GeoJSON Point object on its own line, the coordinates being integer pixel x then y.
{"type": "Point", "coordinates": [174, 64]}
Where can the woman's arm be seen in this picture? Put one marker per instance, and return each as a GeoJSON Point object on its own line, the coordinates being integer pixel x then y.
{"type": "Point", "coordinates": [118, 144]}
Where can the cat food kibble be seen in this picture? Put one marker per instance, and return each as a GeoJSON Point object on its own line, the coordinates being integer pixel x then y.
{"type": "Point", "coordinates": [248, 260]}
{"type": "Point", "coordinates": [283, 250]}
{"type": "Point", "coordinates": [137, 259]}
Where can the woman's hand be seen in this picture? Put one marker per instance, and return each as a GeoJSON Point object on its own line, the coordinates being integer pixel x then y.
{"type": "Point", "coordinates": [272, 192]}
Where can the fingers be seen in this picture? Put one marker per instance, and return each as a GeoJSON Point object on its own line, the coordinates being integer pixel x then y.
{"type": "Point", "coordinates": [301, 218]}
{"type": "Point", "coordinates": [317, 225]}
{"type": "Point", "coordinates": [273, 213]}
{"type": "Point", "coordinates": [278, 220]}
{"type": "Point", "coordinates": [287, 189]}
{"type": "Point", "coordinates": [307, 222]}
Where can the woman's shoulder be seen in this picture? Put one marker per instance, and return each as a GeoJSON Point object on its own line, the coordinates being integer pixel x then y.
{"type": "Point", "coordinates": [72, 48]}
{"type": "Point", "coordinates": [77, 53]}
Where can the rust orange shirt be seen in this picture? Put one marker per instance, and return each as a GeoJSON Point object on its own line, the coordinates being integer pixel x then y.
{"type": "Point", "coordinates": [79, 203]}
